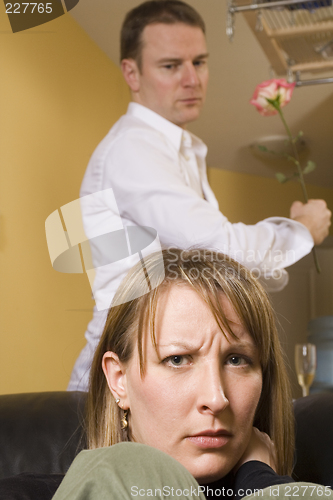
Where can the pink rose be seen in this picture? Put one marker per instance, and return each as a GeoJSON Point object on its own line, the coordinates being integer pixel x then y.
{"type": "Point", "coordinates": [278, 90]}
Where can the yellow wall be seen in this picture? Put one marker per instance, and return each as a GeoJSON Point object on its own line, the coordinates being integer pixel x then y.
{"type": "Point", "coordinates": [250, 198]}
{"type": "Point", "coordinates": [59, 95]}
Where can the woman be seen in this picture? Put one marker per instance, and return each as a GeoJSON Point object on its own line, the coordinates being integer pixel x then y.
{"type": "Point", "coordinates": [193, 368]}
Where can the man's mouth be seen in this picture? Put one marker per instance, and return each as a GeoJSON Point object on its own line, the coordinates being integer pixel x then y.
{"type": "Point", "coordinates": [191, 100]}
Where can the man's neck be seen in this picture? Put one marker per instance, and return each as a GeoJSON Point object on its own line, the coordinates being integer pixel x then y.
{"type": "Point", "coordinates": [137, 101]}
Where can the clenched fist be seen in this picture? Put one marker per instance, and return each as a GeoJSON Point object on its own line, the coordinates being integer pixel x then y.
{"type": "Point", "coordinates": [315, 216]}
{"type": "Point", "coordinates": [260, 448]}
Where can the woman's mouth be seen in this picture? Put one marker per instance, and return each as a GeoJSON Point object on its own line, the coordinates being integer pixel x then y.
{"type": "Point", "coordinates": [210, 439]}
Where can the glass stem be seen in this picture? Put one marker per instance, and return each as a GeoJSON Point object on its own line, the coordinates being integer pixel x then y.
{"type": "Point", "coordinates": [305, 390]}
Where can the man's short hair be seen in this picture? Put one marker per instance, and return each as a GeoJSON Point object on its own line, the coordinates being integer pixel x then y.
{"type": "Point", "coordinates": [152, 12]}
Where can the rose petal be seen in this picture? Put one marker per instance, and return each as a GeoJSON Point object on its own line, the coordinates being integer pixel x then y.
{"type": "Point", "coordinates": [272, 89]}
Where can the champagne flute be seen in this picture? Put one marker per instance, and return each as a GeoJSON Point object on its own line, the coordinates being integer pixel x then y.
{"type": "Point", "coordinates": [306, 363]}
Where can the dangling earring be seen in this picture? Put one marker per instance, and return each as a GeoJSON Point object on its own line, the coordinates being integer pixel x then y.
{"type": "Point", "coordinates": [123, 420]}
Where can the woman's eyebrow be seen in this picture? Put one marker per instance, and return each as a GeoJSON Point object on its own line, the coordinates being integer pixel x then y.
{"type": "Point", "coordinates": [243, 345]}
{"type": "Point", "coordinates": [189, 346]}
{"type": "Point", "coordinates": [182, 345]}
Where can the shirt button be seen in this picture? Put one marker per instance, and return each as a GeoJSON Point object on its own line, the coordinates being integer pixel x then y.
{"type": "Point", "coordinates": [187, 158]}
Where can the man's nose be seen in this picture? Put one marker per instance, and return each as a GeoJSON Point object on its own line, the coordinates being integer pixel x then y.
{"type": "Point", "coordinates": [212, 393]}
{"type": "Point", "coordinates": [190, 76]}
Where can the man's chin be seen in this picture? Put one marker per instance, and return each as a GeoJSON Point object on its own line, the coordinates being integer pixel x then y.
{"type": "Point", "coordinates": [188, 116]}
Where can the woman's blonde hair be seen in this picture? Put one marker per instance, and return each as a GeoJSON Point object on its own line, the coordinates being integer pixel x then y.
{"type": "Point", "coordinates": [209, 273]}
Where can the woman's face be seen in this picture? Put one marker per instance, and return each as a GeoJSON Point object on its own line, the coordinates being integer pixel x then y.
{"type": "Point", "coordinates": [198, 396]}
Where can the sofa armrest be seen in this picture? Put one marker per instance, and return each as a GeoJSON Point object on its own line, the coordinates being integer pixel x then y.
{"type": "Point", "coordinates": [40, 433]}
{"type": "Point", "coordinates": [314, 439]}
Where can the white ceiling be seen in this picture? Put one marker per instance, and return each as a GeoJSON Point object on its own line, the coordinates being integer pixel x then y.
{"type": "Point", "coordinates": [229, 124]}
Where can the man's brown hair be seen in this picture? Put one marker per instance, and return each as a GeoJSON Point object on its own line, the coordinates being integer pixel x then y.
{"type": "Point", "coordinates": [152, 12]}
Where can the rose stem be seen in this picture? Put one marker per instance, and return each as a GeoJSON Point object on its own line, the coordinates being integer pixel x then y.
{"type": "Point", "coordinates": [301, 177]}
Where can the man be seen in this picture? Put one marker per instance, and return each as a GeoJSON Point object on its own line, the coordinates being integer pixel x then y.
{"type": "Point", "coordinates": [157, 169]}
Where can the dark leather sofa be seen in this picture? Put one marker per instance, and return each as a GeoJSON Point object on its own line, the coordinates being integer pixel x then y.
{"type": "Point", "coordinates": [41, 433]}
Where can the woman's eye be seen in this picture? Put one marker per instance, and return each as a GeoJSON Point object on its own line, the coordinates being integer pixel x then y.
{"type": "Point", "coordinates": [176, 360]}
{"type": "Point", "coordinates": [237, 361]}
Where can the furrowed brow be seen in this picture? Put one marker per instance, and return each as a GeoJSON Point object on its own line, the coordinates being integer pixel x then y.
{"type": "Point", "coordinates": [181, 345]}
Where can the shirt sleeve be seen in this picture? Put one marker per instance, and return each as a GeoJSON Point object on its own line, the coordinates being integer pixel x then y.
{"type": "Point", "coordinates": [253, 476]}
{"type": "Point", "coordinates": [151, 190]}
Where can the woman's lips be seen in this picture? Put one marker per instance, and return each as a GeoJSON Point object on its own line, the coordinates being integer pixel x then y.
{"type": "Point", "coordinates": [210, 439]}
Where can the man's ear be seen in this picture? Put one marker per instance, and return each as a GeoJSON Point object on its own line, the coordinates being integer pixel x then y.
{"type": "Point", "coordinates": [115, 374]}
{"type": "Point", "coordinates": [131, 74]}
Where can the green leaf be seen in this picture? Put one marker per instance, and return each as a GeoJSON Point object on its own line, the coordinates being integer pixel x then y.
{"type": "Point", "coordinates": [293, 159]}
{"type": "Point", "coordinates": [298, 137]}
{"type": "Point", "coordinates": [310, 167]}
{"type": "Point", "coordinates": [262, 148]}
{"type": "Point", "coordinates": [274, 102]}
{"type": "Point", "coordinates": [281, 177]}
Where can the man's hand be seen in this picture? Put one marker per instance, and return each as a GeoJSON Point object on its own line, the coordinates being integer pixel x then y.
{"type": "Point", "coordinates": [260, 448]}
{"type": "Point", "coordinates": [315, 216]}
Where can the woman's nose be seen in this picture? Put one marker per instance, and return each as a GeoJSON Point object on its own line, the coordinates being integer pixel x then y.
{"type": "Point", "coordinates": [212, 397]}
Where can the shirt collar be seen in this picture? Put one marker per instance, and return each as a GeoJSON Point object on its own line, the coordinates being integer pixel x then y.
{"type": "Point", "coordinates": [175, 134]}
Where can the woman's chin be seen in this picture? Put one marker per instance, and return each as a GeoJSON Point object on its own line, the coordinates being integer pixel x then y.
{"type": "Point", "coordinates": [211, 470]}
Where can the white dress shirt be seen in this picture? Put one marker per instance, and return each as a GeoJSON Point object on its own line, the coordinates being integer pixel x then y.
{"type": "Point", "coordinates": [157, 172]}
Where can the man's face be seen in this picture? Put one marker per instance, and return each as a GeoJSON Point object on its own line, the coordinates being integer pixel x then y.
{"type": "Point", "coordinates": [174, 73]}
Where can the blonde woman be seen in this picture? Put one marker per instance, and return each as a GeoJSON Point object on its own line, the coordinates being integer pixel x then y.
{"type": "Point", "coordinates": [188, 388]}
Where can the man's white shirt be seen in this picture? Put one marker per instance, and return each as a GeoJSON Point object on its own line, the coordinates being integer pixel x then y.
{"type": "Point", "coordinates": [157, 172]}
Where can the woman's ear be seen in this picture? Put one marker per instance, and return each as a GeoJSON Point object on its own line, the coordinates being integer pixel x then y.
{"type": "Point", "coordinates": [131, 74]}
{"type": "Point", "coordinates": [115, 374]}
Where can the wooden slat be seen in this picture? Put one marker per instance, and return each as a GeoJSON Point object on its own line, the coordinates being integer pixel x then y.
{"type": "Point", "coordinates": [313, 67]}
{"type": "Point", "coordinates": [269, 45]}
{"type": "Point", "coordinates": [295, 31]}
